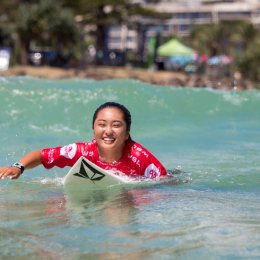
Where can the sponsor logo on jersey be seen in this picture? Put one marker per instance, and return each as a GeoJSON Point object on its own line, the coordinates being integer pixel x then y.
{"type": "Point", "coordinates": [68, 151]}
{"type": "Point", "coordinates": [151, 171]}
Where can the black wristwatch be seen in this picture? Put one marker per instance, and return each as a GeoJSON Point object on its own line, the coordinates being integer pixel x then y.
{"type": "Point", "coordinates": [19, 165]}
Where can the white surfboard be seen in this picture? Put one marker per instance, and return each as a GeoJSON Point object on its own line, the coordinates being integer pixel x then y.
{"type": "Point", "coordinates": [85, 175]}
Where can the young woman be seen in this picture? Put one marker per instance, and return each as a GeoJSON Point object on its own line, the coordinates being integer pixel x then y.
{"type": "Point", "coordinates": [111, 149]}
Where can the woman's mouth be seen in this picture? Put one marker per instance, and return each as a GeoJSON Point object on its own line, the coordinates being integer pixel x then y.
{"type": "Point", "coordinates": [108, 140]}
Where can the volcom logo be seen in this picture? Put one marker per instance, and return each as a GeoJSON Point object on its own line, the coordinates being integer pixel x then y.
{"type": "Point", "coordinates": [88, 172]}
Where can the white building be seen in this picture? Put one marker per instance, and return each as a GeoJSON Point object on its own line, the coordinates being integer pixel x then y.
{"type": "Point", "coordinates": [184, 15]}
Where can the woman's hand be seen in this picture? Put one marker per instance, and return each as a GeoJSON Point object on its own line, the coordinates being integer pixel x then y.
{"type": "Point", "coordinates": [10, 171]}
{"type": "Point", "coordinates": [29, 161]}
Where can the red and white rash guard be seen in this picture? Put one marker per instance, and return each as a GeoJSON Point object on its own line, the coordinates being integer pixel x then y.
{"type": "Point", "coordinates": [136, 160]}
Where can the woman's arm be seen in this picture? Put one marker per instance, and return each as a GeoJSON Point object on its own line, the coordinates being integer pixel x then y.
{"type": "Point", "coordinates": [29, 161]}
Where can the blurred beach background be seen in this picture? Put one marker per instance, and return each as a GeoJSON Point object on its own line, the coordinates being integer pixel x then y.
{"type": "Point", "coordinates": [199, 43]}
{"type": "Point", "coordinates": [189, 73]}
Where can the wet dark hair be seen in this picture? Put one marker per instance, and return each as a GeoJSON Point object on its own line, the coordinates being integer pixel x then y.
{"type": "Point", "coordinates": [127, 115]}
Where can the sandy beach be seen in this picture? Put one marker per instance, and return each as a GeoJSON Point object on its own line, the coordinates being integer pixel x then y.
{"type": "Point", "coordinates": [164, 78]}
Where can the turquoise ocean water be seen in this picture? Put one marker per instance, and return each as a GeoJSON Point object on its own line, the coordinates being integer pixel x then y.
{"type": "Point", "coordinates": [211, 136]}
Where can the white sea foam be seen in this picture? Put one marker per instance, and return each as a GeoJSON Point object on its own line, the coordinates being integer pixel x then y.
{"type": "Point", "coordinates": [18, 92]}
{"type": "Point", "coordinates": [57, 181]}
{"type": "Point", "coordinates": [58, 128]}
{"type": "Point", "coordinates": [234, 98]}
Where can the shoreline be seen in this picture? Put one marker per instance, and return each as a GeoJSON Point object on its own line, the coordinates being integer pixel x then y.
{"type": "Point", "coordinates": [163, 78]}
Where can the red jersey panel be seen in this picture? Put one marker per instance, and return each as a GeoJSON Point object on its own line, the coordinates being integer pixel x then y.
{"type": "Point", "coordinates": [136, 160]}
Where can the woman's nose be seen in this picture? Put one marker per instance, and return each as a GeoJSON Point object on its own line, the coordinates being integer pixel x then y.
{"type": "Point", "coordinates": [108, 130]}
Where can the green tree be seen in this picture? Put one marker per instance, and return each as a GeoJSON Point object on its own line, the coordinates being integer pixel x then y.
{"type": "Point", "coordinates": [203, 39]}
{"type": "Point", "coordinates": [228, 37]}
{"type": "Point", "coordinates": [5, 36]}
{"type": "Point", "coordinates": [50, 22]}
{"type": "Point", "coordinates": [239, 39]}
{"type": "Point", "coordinates": [248, 61]}
{"type": "Point", "coordinates": [45, 24]}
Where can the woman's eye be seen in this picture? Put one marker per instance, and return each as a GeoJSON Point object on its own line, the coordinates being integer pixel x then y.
{"type": "Point", "coordinates": [101, 125]}
{"type": "Point", "coordinates": [116, 125]}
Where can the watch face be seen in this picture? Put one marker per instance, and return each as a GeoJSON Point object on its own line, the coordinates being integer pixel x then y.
{"type": "Point", "coordinates": [19, 165]}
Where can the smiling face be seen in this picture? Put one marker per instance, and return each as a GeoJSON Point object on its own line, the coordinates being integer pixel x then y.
{"type": "Point", "coordinates": [110, 132]}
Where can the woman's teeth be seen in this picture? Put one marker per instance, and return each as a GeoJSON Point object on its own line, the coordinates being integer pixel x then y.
{"type": "Point", "coordinates": [109, 140]}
